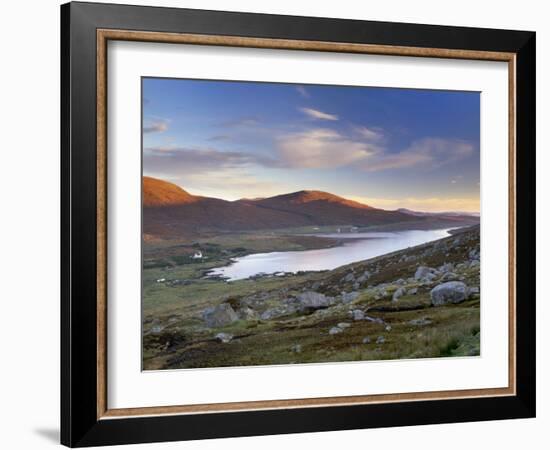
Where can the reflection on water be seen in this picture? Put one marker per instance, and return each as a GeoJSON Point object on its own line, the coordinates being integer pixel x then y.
{"type": "Point", "coordinates": [360, 246]}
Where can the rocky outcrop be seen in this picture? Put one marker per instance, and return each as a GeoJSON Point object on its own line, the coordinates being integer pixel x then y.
{"type": "Point", "coordinates": [450, 292]}
{"type": "Point", "coordinates": [219, 316]}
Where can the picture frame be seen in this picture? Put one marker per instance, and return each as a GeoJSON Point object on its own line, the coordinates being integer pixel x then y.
{"type": "Point", "coordinates": [86, 29]}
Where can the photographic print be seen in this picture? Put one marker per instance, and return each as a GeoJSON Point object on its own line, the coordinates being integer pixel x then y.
{"type": "Point", "coordinates": [294, 223]}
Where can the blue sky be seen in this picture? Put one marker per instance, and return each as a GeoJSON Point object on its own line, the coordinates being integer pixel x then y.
{"type": "Point", "coordinates": [386, 147]}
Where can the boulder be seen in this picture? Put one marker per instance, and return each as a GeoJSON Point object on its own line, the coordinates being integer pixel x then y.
{"type": "Point", "coordinates": [343, 325]}
{"type": "Point", "coordinates": [310, 300]}
{"type": "Point", "coordinates": [450, 292]}
{"type": "Point", "coordinates": [247, 313]}
{"type": "Point", "coordinates": [424, 273]}
{"type": "Point", "coordinates": [278, 311]}
{"type": "Point", "coordinates": [449, 276]}
{"type": "Point", "coordinates": [398, 293]}
{"type": "Point", "coordinates": [380, 339]}
{"type": "Point", "coordinates": [224, 337]}
{"type": "Point", "coordinates": [350, 277]}
{"type": "Point", "coordinates": [412, 291]}
{"type": "Point", "coordinates": [296, 348]}
{"type": "Point", "coordinates": [363, 278]}
{"type": "Point", "coordinates": [366, 340]}
{"type": "Point", "coordinates": [219, 316]}
{"type": "Point", "coordinates": [348, 297]}
{"type": "Point", "coordinates": [335, 330]}
{"type": "Point", "coordinates": [357, 314]}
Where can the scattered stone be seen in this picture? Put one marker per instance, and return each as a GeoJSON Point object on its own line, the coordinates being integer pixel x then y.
{"type": "Point", "coordinates": [450, 292]}
{"type": "Point", "coordinates": [366, 340]}
{"type": "Point", "coordinates": [420, 322]}
{"type": "Point", "coordinates": [278, 311]}
{"type": "Point", "coordinates": [474, 264]}
{"type": "Point", "coordinates": [296, 348]}
{"type": "Point", "coordinates": [343, 325]}
{"type": "Point", "coordinates": [380, 339]}
{"type": "Point", "coordinates": [449, 276]}
{"type": "Point", "coordinates": [156, 329]}
{"type": "Point", "coordinates": [357, 314]}
{"type": "Point", "coordinates": [335, 330]}
{"type": "Point", "coordinates": [363, 278]}
{"type": "Point", "coordinates": [219, 316]}
{"type": "Point", "coordinates": [348, 297]}
{"type": "Point", "coordinates": [224, 337]}
{"type": "Point", "coordinates": [398, 293]}
{"type": "Point", "coordinates": [423, 273]}
{"type": "Point", "coordinates": [247, 313]}
{"type": "Point", "coordinates": [350, 277]}
{"type": "Point", "coordinates": [447, 267]}
{"type": "Point", "coordinates": [374, 319]}
{"type": "Point", "coordinates": [474, 290]}
{"type": "Point", "coordinates": [412, 291]}
{"type": "Point", "coordinates": [387, 328]}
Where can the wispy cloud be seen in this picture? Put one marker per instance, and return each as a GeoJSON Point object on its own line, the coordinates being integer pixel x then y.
{"type": "Point", "coordinates": [318, 115]}
{"type": "Point", "coordinates": [190, 160]}
{"type": "Point", "coordinates": [241, 122]}
{"type": "Point", "coordinates": [321, 148]}
{"type": "Point", "coordinates": [303, 91]}
{"type": "Point", "coordinates": [159, 126]}
{"type": "Point", "coordinates": [431, 152]}
{"type": "Point", "coordinates": [370, 134]}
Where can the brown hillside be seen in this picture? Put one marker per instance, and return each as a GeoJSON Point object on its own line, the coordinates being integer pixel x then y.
{"type": "Point", "coordinates": [162, 193]}
{"type": "Point", "coordinates": [171, 212]}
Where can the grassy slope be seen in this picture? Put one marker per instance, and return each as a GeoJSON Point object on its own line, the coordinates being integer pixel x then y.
{"type": "Point", "coordinates": [183, 341]}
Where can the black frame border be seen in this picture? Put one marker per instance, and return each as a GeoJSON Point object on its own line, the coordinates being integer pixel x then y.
{"type": "Point", "coordinates": [79, 424]}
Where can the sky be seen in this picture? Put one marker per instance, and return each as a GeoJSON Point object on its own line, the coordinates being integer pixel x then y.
{"type": "Point", "coordinates": [389, 148]}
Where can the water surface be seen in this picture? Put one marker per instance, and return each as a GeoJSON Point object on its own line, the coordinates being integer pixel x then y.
{"type": "Point", "coordinates": [356, 247]}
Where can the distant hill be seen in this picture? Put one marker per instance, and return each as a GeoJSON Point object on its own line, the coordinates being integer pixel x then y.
{"type": "Point", "coordinates": [440, 214]}
{"type": "Point", "coordinates": [162, 193]}
{"type": "Point", "coordinates": [171, 212]}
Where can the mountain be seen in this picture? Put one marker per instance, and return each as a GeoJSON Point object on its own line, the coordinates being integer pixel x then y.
{"type": "Point", "coordinates": [157, 193]}
{"type": "Point", "coordinates": [446, 213]}
{"type": "Point", "coordinates": [171, 212]}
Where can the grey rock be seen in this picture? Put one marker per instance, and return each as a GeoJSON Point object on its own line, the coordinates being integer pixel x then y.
{"type": "Point", "coordinates": [398, 293]}
{"type": "Point", "coordinates": [474, 290]}
{"type": "Point", "coordinates": [474, 263]}
{"type": "Point", "coordinates": [350, 277]}
{"type": "Point", "coordinates": [296, 348]}
{"type": "Point", "coordinates": [366, 340]}
{"type": "Point", "coordinates": [219, 316]}
{"type": "Point", "coordinates": [357, 314]}
{"type": "Point", "coordinates": [363, 278]}
{"type": "Point", "coordinates": [424, 273]}
{"type": "Point", "coordinates": [156, 329]}
{"type": "Point", "coordinates": [412, 291]}
{"type": "Point", "coordinates": [343, 325]}
{"type": "Point", "coordinates": [450, 292]}
{"type": "Point", "coordinates": [348, 297]}
{"type": "Point", "coordinates": [380, 339]}
{"type": "Point", "coordinates": [335, 330]}
{"type": "Point", "coordinates": [420, 322]}
{"type": "Point", "coordinates": [278, 311]}
{"type": "Point", "coordinates": [449, 276]}
{"type": "Point", "coordinates": [447, 267]}
{"type": "Point", "coordinates": [224, 337]}
{"type": "Point", "coordinates": [374, 319]}
{"type": "Point", "coordinates": [312, 300]}
{"type": "Point", "coordinates": [247, 313]}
